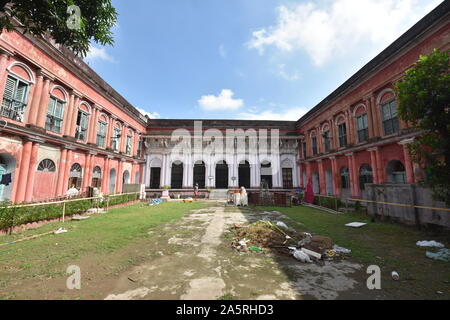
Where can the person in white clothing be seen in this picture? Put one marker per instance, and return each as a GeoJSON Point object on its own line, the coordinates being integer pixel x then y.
{"type": "Point", "coordinates": [244, 197]}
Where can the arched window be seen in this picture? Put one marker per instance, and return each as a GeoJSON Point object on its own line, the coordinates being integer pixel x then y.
{"type": "Point", "coordinates": [345, 178]}
{"type": "Point", "coordinates": [326, 139]}
{"type": "Point", "coordinates": [76, 173]}
{"type": "Point", "coordinates": [314, 148]}
{"type": "Point", "coordinates": [396, 172]}
{"type": "Point", "coordinates": [55, 110]}
{"type": "Point", "coordinates": [126, 178]}
{"type": "Point", "coordinates": [46, 165]}
{"type": "Point", "coordinates": [342, 131]}
{"type": "Point", "coordinates": [365, 176]}
{"type": "Point", "coordinates": [82, 121]}
{"type": "Point", "coordinates": [15, 98]}
{"type": "Point", "coordinates": [97, 177]}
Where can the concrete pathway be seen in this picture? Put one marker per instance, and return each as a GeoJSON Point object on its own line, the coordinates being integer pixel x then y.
{"type": "Point", "coordinates": [194, 261]}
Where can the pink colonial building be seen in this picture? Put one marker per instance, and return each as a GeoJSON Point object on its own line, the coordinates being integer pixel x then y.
{"type": "Point", "coordinates": [61, 125]}
{"type": "Point", "coordinates": [354, 136]}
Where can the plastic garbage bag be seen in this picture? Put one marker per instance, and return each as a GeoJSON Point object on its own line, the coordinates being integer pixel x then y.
{"type": "Point", "coordinates": [282, 225]}
{"type": "Point", "coordinates": [431, 243]}
{"type": "Point", "coordinates": [339, 249]}
{"type": "Point", "coordinates": [442, 255]}
{"type": "Point", "coordinates": [301, 256]}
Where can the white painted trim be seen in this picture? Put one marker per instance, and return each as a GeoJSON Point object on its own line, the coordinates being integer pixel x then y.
{"type": "Point", "coordinates": [66, 95]}
{"type": "Point", "coordinates": [382, 93]}
{"type": "Point", "coordinates": [361, 105]}
{"type": "Point", "coordinates": [86, 104]}
{"type": "Point", "coordinates": [24, 66]}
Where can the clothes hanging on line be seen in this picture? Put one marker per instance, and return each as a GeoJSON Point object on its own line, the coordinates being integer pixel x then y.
{"type": "Point", "coordinates": [6, 179]}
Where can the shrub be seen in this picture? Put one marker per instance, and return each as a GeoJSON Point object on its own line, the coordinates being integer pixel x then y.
{"type": "Point", "coordinates": [16, 216]}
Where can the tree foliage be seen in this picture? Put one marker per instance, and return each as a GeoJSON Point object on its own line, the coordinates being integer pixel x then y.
{"type": "Point", "coordinates": [41, 17]}
{"type": "Point", "coordinates": [424, 101]}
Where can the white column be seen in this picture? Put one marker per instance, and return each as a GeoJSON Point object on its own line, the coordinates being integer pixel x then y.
{"type": "Point", "coordinates": [147, 170]}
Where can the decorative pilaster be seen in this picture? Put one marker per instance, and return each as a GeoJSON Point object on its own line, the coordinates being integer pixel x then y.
{"type": "Point", "coordinates": [32, 170]}
{"type": "Point", "coordinates": [43, 104]}
{"type": "Point", "coordinates": [408, 162]}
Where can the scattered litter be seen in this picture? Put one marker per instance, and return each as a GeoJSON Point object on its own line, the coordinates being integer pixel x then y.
{"type": "Point", "coordinates": [431, 243]}
{"type": "Point", "coordinates": [341, 249]}
{"type": "Point", "coordinates": [95, 210]}
{"type": "Point", "coordinates": [243, 242]}
{"type": "Point", "coordinates": [60, 230]}
{"type": "Point", "coordinates": [131, 279]}
{"type": "Point", "coordinates": [255, 249]}
{"type": "Point", "coordinates": [395, 276]}
{"type": "Point", "coordinates": [439, 292]}
{"type": "Point", "coordinates": [356, 224]}
{"type": "Point", "coordinates": [155, 202]}
{"type": "Point", "coordinates": [442, 255]}
{"type": "Point", "coordinates": [282, 225]}
{"type": "Point", "coordinates": [80, 218]}
{"type": "Point", "coordinates": [188, 200]}
{"type": "Point", "coordinates": [330, 253]}
{"type": "Point", "coordinates": [312, 253]}
{"type": "Point", "coordinates": [301, 256]}
{"type": "Point", "coordinates": [267, 237]}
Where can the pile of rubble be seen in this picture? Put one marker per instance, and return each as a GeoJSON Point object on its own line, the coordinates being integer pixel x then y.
{"type": "Point", "coordinates": [267, 237]}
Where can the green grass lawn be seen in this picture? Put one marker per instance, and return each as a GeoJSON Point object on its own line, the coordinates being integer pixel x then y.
{"type": "Point", "coordinates": [101, 234]}
{"type": "Point", "coordinates": [389, 245]}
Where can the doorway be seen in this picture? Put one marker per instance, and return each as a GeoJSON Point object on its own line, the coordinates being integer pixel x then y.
{"type": "Point", "coordinates": [222, 175]}
{"type": "Point", "coordinates": [244, 174]}
{"type": "Point", "coordinates": [155, 178]}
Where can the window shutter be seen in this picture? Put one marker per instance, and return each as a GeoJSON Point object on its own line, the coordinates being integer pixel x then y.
{"type": "Point", "coordinates": [21, 92]}
{"type": "Point", "coordinates": [9, 88]}
{"type": "Point", "coordinates": [51, 106]}
{"type": "Point", "coordinates": [59, 107]}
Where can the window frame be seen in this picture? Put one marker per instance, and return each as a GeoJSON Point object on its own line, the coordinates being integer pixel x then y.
{"type": "Point", "coordinates": [327, 141]}
{"type": "Point", "coordinates": [129, 144]}
{"type": "Point", "coordinates": [51, 126]}
{"type": "Point", "coordinates": [342, 135]}
{"type": "Point", "coordinates": [314, 146]}
{"type": "Point", "coordinates": [14, 114]}
{"type": "Point", "coordinates": [363, 133]}
{"type": "Point", "coordinates": [345, 178]}
{"type": "Point", "coordinates": [392, 122]}
{"type": "Point", "coordinates": [100, 136]}
{"type": "Point", "coordinates": [115, 145]}
{"type": "Point", "coordinates": [80, 130]}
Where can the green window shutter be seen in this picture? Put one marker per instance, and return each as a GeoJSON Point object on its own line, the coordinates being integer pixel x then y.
{"type": "Point", "coordinates": [51, 106]}
{"type": "Point", "coordinates": [21, 92]}
{"type": "Point", "coordinates": [84, 121]}
{"type": "Point", "coordinates": [59, 109]}
{"type": "Point", "coordinates": [9, 88]}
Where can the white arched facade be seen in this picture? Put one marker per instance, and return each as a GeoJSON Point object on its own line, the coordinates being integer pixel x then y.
{"type": "Point", "coordinates": [160, 156]}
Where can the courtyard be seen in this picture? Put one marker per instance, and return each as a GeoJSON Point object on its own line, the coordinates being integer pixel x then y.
{"type": "Point", "coordinates": [182, 251]}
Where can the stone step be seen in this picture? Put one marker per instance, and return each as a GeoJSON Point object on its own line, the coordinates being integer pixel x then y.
{"type": "Point", "coordinates": [218, 194]}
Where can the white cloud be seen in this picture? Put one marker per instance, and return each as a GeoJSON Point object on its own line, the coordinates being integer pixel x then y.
{"type": "Point", "coordinates": [222, 51]}
{"type": "Point", "coordinates": [288, 114]}
{"type": "Point", "coordinates": [151, 115]}
{"type": "Point", "coordinates": [286, 75]}
{"type": "Point", "coordinates": [224, 101]}
{"type": "Point", "coordinates": [336, 27]}
{"type": "Point", "coordinates": [96, 53]}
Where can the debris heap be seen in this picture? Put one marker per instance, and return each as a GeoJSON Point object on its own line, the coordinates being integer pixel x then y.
{"type": "Point", "coordinates": [265, 237]}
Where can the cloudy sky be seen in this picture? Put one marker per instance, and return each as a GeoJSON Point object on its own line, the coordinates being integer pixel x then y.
{"type": "Point", "coordinates": [245, 59]}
